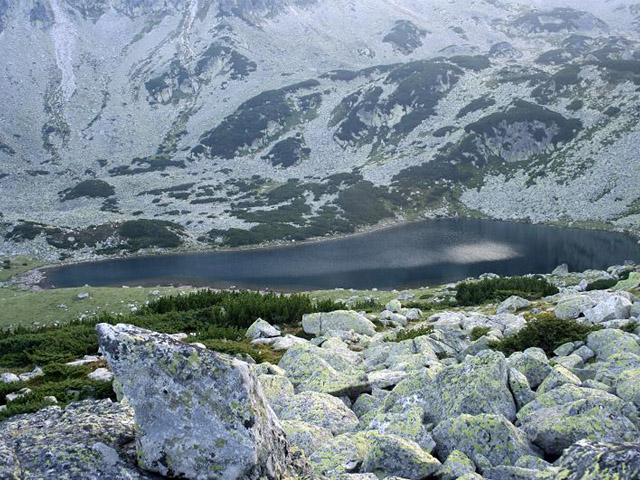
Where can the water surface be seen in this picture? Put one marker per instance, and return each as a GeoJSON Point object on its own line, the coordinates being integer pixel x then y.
{"type": "Point", "coordinates": [417, 254]}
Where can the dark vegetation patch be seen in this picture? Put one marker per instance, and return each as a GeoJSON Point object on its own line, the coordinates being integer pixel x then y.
{"type": "Point", "coordinates": [405, 36]}
{"type": "Point", "coordinates": [559, 83]}
{"type": "Point", "coordinates": [6, 149]}
{"type": "Point", "coordinates": [132, 235]}
{"type": "Point", "coordinates": [341, 75]}
{"type": "Point", "coordinates": [475, 105]}
{"type": "Point", "coordinates": [443, 132]}
{"type": "Point", "coordinates": [217, 319]}
{"type": "Point", "coordinates": [247, 129]}
{"type": "Point", "coordinates": [237, 65]}
{"type": "Point", "coordinates": [89, 189]}
{"type": "Point", "coordinates": [478, 332]}
{"type": "Point", "coordinates": [173, 189]}
{"type": "Point", "coordinates": [575, 105]}
{"type": "Point", "coordinates": [413, 333]}
{"type": "Point", "coordinates": [499, 289]}
{"type": "Point", "coordinates": [288, 152]}
{"type": "Point", "coordinates": [37, 173]}
{"type": "Point", "coordinates": [603, 284]}
{"type": "Point", "coordinates": [475, 63]}
{"type": "Point", "coordinates": [155, 163]}
{"type": "Point", "coordinates": [558, 20]}
{"type": "Point", "coordinates": [525, 112]}
{"type": "Point", "coordinates": [546, 332]}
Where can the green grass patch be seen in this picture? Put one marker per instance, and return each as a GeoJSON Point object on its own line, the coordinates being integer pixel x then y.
{"type": "Point", "coordinates": [413, 333]}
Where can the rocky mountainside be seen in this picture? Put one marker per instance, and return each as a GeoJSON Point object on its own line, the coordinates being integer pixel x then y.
{"type": "Point", "coordinates": [395, 395]}
{"type": "Point", "coordinates": [236, 122]}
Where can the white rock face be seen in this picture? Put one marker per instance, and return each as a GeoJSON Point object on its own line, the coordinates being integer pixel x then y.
{"type": "Point", "coordinates": [347, 320]}
{"type": "Point", "coordinates": [9, 378]}
{"type": "Point", "coordinates": [101, 375]}
{"type": "Point", "coordinates": [199, 414]}
{"type": "Point", "coordinates": [261, 329]}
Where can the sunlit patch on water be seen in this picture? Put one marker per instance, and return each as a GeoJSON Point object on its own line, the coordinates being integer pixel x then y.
{"type": "Point", "coordinates": [480, 252]}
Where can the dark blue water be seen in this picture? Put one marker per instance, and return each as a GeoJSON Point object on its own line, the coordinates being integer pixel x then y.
{"type": "Point", "coordinates": [424, 253]}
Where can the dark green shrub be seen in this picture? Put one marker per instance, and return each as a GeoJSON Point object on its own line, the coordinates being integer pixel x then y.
{"type": "Point", "coordinates": [546, 332]}
{"type": "Point", "coordinates": [479, 332]}
{"type": "Point", "coordinates": [90, 189]}
{"type": "Point", "coordinates": [499, 289]}
{"type": "Point", "coordinates": [414, 333]}
{"type": "Point", "coordinates": [370, 305]}
{"type": "Point", "coordinates": [602, 284]}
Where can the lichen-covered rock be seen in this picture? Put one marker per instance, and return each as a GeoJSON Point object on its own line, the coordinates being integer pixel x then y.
{"type": "Point", "coordinates": [199, 414]}
{"type": "Point", "coordinates": [371, 452]}
{"type": "Point", "coordinates": [512, 472]}
{"type": "Point", "coordinates": [394, 306]}
{"type": "Point", "coordinates": [532, 363]}
{"type": "Point", "coordinates": [571, 308]}
{"type": "Point", "coordinates": [261, 329]}
{"type": "Point", "coordinates": [491, 436]}
{"type": "Point", "coordinates": [513, 304]}
{"type": "Point", "coordinates": [58, 444]}
{"type": "Point", "coordinates": [100, 375]}
{"type": "Point", "coordinates": [365, 404]}
{"type": "Point", "coordinates": [480, 385]}
{"type": "Point", "coordinates": [600, 461]}
{"type": "Point", "coordinates": [305, 436]}
{"type": "Point", "coordinates": [608, 371]}
{"type": "Point", "coordinates": [316, 369]}
{"type": "Point", "coordinates": [559, 376]}
{"type": "Point", "coordinates": [320, 323]}
{"type": "Point", "coordinates": [569, 413]}
{"type": "Point", "coordinates": [613, 307]}
{"type": "Point", "coordinates": [608, 342]}
{"type": "Point", "coordinates": [9, 463]}
{"type": "Point", "coordinates": [278, 391]}
{"type": "Point", "coordinates": [628, 387]}
{"type": "Point", "coordinates": [520, 389]}
{"type": "Point", "coordinates": [408, 424]}
{"type": "Point", "coordinates": [456, 465]}
{"type": "Point", "coordinates": [321, 410]}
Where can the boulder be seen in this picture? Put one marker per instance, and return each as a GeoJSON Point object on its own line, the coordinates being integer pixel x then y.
{"type": "Point", "coordinates": [573, 307]}
{"type": "Point", "coordinates": [278, 391]}
{"type": "Point", "coordinates": [569, 413]}
{"type": "Point", "coordinates": [261, 329]}
{"type": "Point", "coordinates": [614, 307]}
{"type": "Point", "coordinates": [456, 465]}
{"type": "Point", "coordinates": [513, 304]}
{"type": "Point", "coordinates": [408, 424]}
{"type": "Point", "coordinates": [561, 270]}
{"type": "Point", "coordinates": [199, 414]}
{"type": "Point", "coordinates": [479, 385]}
{"type": "Point", "coordinates": [532, 363]}
{"type": "Point", "coordinates": [606, 343]}
{"type": "Point", "coordinates": [9, 378]}
{"type": "Point", "coordinates": [58, 444]}
{"type": "Point", "coordinates": [35, 373]}
{"type": "Point", "coordinates": [101, 375]}
{"type": "Point", "coordinates": [320, 323]}
{"type": "Point", "coordinates": [520, 389]}
{"type": "Point", "coordinates": [413, 314]}
{"type": "Point", "coordinates": [590, 460]}
{"type": "Point", "coordinates": [394, 306]}
{"type": "Point", "coordinates": [305, 436]}
{"type": "Point", "coordinates": [558, 376]}
{"type": "Point", "coordinates": [321, 410]}
{"type": "Point", "coordinates": [628, 387]}
{"type": "Point", "coordinates": [371, 452]}
{"type": "Point", "coordinates": [316, 369]}
{"type": "Point", "coordinates": [492, 436]}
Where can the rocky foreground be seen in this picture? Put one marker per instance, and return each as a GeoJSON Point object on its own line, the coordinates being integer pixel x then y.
{"type": "Point", "coordinates": [355, 401]}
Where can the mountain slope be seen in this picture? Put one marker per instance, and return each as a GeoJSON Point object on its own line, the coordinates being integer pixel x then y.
{"type": "Point", "coordinates": [235, 122]}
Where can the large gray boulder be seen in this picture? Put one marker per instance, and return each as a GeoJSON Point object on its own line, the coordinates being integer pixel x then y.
{"type": "Point", "coordinates": [492, 436]}
{"type": "Point", "coordinates": [199, 414]}
{"type": "Point", "coordinates": [532, 363]}
{"type": "Point", "coordinates": [372, 452]}
{"type": "Point", "coordinates": [480, 385]}
{"type": "Point", "coordinates": [316, 369]}
{"type": "Point", "coordinates": [321, 410]}
{"type": "Point", "coordinates": [608, 342]}
{"type": "Point", "coordinates": [589, 460]}
{"type": "Point", "coordinates": [557, 419]}
{"type": "Point", "coordinates": [86, 440]}
{"type": "Point", "coordinates": [320, 323]}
